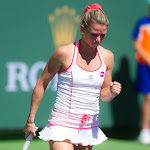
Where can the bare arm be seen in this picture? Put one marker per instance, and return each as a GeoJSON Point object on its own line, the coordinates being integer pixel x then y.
{"type": "Point", "coordinates": [109, 89]}
{"type": "Point", "coordinates": [52, 67]}
{"type": "Point", "coordinates": [138, 48]}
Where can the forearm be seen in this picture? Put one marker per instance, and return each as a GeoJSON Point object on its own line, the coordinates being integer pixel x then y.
{"type": "Point", "coordinates": [37, 96]}
{"type": "Point", "coordinates": [144, 55]}
{"type": "Point", "coordinates": [110, 92]}
{"type": "Point", "coordinates": [106, 95]}
{"type": "Point", "coordinates": [139, 49]}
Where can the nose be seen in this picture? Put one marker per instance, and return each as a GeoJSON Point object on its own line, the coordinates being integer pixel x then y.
{"type": "Point", "coordinates": [98, 39]}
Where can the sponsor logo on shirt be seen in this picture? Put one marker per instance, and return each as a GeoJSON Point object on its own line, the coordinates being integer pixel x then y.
{"type": "Point", "coordinates": [90, 77]}
{"type": "Point", "coordinates": [102, 74]}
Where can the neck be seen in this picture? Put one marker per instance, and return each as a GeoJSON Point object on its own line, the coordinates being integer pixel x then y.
{"type": "Point", "coordinates": [87, 53]}
{"type": "Point", "coordinates": [84, 47]}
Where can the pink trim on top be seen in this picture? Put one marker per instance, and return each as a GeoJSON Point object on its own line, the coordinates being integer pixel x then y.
{"type": "Point", "coordinates": [99, 51]}
{"type": "Point", "coordinates": [71, 127]}
{"type": "Point", "coordinates": [98, 106]}
{"type": "Point", "coordinates": [85, 69]}
{"type": "Point", "coordinates": [103, 63]}
{"type": "Point", "coordinates": [71, 92]}
{"type": "Point", "coordinates": [71, 61]}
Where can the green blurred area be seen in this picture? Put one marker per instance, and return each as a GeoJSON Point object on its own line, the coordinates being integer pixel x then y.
{"type": "Point", "coordinates": [26, 36]}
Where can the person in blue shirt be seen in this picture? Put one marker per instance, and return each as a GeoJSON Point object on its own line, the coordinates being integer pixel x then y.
{"type": "Point", "coordinates": [141, 43]}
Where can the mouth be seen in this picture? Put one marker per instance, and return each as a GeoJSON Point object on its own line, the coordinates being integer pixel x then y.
{"type": "Point", "coordinates": [96, 44]}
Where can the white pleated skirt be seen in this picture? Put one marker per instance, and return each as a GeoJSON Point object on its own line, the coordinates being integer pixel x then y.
{"type": "Point", "coordinates": [85, 137]}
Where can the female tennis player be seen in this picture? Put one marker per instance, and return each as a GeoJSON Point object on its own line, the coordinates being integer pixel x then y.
{"type": "Point", "coordinates": [84, 73]}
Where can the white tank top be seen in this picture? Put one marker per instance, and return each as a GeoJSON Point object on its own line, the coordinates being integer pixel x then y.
{"type": "Point", "coordinates": [78, 90]}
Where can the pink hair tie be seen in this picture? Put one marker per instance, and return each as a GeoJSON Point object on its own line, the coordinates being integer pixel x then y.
{"type": "Point", "coordinates": [94, 6]}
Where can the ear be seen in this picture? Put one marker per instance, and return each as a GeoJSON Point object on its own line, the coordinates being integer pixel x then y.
{"type": "Point", "coordinates": [82, 29]}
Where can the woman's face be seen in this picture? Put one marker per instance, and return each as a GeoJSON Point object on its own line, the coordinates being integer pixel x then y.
{"type": "Point", "coordinates": [94, 34]}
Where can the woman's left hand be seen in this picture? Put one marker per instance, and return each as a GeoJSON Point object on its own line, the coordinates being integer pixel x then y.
{"type": "Point", "coordinates": [115, 88]}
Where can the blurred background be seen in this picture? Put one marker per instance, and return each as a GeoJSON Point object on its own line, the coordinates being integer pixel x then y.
{"type": "Point", "coordinates": [29, 33]}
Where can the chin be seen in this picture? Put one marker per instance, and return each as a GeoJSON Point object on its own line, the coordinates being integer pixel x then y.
{"type": "Point", "coordinates": [95, 45]}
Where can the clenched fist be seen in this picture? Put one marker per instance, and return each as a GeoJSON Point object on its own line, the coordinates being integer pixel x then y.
{"type": "Point", "coordinates": [115, 88]}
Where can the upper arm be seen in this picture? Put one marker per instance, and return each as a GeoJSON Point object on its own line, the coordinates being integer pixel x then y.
{"type": "Point", "coordinates": [53, 65]}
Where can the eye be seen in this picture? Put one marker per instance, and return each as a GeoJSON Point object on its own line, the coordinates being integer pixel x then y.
{"type": "Point", "coordinates": [96, 35]}
{"type": "Point", "coordinates": [102, 35]}
{"type": "Point", "coordinates": [93, 34]}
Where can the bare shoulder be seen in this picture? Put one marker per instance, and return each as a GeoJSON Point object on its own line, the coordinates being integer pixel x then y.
{"type": "Point", "coordinates": [63, 56]}
{"type": "Point", "coordinates": [108, 56]}
{"type": "Point", "coordinates": [63, 52]}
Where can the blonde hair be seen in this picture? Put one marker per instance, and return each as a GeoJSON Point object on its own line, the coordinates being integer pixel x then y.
{"type": "Point", "coordinates": [93, 15]}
